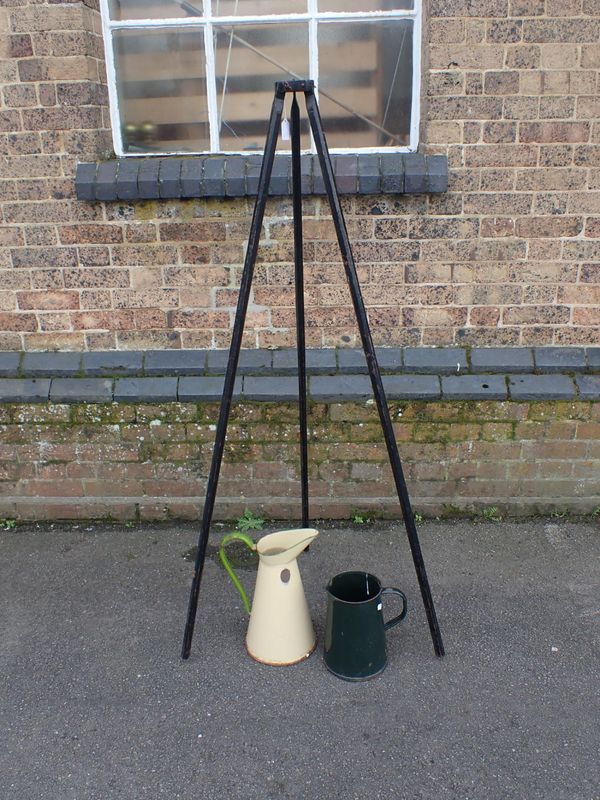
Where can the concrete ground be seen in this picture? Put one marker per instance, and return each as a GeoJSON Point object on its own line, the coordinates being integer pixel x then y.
{"type": "Point", "coordinates": [96, 704]}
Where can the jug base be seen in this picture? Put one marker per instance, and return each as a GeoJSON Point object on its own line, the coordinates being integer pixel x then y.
{"type": "Point", "coordinates": [282, 663]}
{"type": "Point", "coordinates": [353, 679]}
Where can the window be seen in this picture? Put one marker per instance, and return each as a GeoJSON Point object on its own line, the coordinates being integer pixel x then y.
{"type": "Point", "coordinates": [187, 76]}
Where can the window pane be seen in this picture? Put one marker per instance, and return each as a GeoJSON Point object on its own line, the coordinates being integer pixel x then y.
{"type": "Point", "coordinates": [161, 84]}
{"type": "Point", "coordinates": [251, 8]}
{"type": "Point", "coordinates": [364, 5]}
{"type": "Point", "coordinates": [367, 68]}
{"type": "Point", "coordinates": [154, 9]}
{"type": "Point", "coordinates": [249, 59]}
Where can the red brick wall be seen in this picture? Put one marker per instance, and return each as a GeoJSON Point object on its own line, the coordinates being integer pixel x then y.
{"type": "Point", "coordinates": [510, 255]}
{"type": "Point", "coordinates": [151, 461]}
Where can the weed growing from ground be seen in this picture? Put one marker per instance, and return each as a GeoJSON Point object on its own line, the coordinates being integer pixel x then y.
{"type": "Point", "coordinates": [492, 514]}
{"type": "Point", "coordinates": [249, 522]}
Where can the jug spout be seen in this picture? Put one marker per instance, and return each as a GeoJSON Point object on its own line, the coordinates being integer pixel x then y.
{"type": "Point", "coordinates": [284, 546]}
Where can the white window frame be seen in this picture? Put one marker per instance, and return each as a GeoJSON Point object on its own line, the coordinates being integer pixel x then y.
{"type": "Point", "coordinates": [204, 24]}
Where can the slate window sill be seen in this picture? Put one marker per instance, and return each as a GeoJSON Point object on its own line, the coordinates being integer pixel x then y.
{"type": "Point", "coordinates": [184, 177]}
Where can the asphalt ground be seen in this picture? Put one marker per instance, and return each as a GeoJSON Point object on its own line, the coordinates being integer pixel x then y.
{"type": "Point", "coordinates": [96, 704]}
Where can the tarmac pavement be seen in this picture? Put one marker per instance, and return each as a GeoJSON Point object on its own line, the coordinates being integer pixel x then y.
{"type": "Point", "coordinates": [96, 704]}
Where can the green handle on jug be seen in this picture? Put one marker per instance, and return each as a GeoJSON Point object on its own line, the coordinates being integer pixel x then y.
{"type": "Point", "coordinates": [232, 537]}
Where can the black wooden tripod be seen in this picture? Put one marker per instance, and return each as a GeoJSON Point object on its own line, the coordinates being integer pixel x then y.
{"type": "Point", "coordinates": [281, 89]}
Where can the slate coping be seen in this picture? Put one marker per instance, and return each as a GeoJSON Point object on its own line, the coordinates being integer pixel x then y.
{"type": "Point", "coordinates": [392, 173]}
{"type": "Point", "coordinates": [474, 387]}
{"type": "Point", "coordinates": [147, 182]}
{"type": "Point", "coordinates": [423, 360]}
{"type": "Point", "coordinates": [344, 388]}
{"type": "Point", "coordinates": [208, 389]}
{"type": "Point", "coordinates": [412, 387]}
{"type": "Point", "coordinates": [436, 360]}
{"type": "Point", "coordinates": [589, 386]}
{"type": "Point", "coordinates": [369, 173]}
{"type": "Point", "coordinates": [254, 361]}
{"type": "Point", "coordinates": [145, 389]}
{"type": "Point", "coordinates": [276, 389]}
{"type": "Point", "coordinates": [51, 364]}
{"type": "Point", "coordinates": [593, 357]}
{"type": "Point", "coordinates": [541, 387]}
{"type": "Point", "coordinates": [270, 375]}
{"type": "Point", "coordinates": [81, 390]}
{"type": "Point", "coordinates": [111, 362]}
{"type": "Point", "coordinates": [321, 360]}
{"type": "Point", "coordinates": [337, 388]}
{"type": "Point", "coordinates": [24, 390]}
{"type": "Point", "coordinates": [192, 170]}
{"type": "Point", "coordinates": [178, 362]}
{"type": "Point", "coordinates": [9, 365]}
{"type": "Point", "coordinates": [502, 359]}
{"type": "Point", "coordinates": [559, 359]}
{"type": "Point", "coordinates": [151, 177]}
{"type": "Point", "coordinates": [127, 180]}
{"type": "Point", "coordinates": [415, 174]}
{"type": "Point", "coordinates": [353, 359]}
{"type": "Point", "coordinates": [346, 172]}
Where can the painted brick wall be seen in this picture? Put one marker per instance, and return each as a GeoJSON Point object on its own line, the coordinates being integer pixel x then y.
{"type": "Point", "coordinates": [510, 255]}
{"type": "Point", "coordinates": [139, 461]}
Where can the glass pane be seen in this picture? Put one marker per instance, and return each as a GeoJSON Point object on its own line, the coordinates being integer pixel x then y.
{"type": "Point", "coordinates": [364, 5]}
{"type": "Point", "coordinates": [252, 8]}
{"type": "Point", "coordinates": [365, 82]}
{"type": "Point", "coordinates": [249, 59]}
{"type": "Point", "coordinates": [154, 9]}
{"type": "Point", "coordinates": [161, 83]}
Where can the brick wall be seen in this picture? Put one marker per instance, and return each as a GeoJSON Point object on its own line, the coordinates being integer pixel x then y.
{"type": "Point", "coordinates": [141, 461]}
{"type": "Point", "coordinates": [510, 255]}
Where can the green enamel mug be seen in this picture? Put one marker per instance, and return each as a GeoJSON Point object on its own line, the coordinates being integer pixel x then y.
{"type": "Point", "coordinates": [355, 647]}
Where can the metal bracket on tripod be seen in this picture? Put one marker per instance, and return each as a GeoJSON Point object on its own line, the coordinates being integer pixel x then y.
{"type": "Point", "coordinates": [307, 88]}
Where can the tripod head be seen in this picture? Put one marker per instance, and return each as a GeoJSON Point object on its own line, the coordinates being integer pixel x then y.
{"type": "Point", "coordinates": [283, 87]}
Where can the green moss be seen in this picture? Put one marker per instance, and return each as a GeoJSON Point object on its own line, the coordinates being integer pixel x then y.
{"type": "Point", "coordinates": [237, 451]}
{"type": "Point", "coordinates": [146, 451]}
{"type": "Point", "coordinates": [145, 210]}
{"type": "Point", "coordinates": [431, 432]}
{"type": "Point", "coordinates": [559, 410]}
{"type": "Point", "coordinates": [102, 414]}
{"type": "Point", "coordinates": [449, 511]}
{"type": "Point", "coordinates": [498, 431]}
{"type": "Point", "coordinates": [281, 412]}
{"type": "Point", "coordinates": [166, 412]}
{"type": "Point", "coordinates": [51, 413]}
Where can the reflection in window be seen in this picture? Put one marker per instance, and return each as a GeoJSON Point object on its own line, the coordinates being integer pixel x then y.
{"type": "Point", "coordinates": [248, 61]}
{"type": "Point", "coordinates": [368, 105]}
{"type": "Point", "coordinates": [161, 85]}
{"type": "Point", "coordinates": [189, 80]}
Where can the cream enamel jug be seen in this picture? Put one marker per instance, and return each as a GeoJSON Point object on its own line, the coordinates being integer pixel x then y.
{"type": "Point", "coordinates": [280, 631]}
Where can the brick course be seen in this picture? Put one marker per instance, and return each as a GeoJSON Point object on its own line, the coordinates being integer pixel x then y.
{"type": "Point", "coordinates": [509, 256]}
{"type": "Point", "coordinates": [140, 461]}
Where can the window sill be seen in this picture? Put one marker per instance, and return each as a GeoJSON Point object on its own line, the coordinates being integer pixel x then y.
{"type": "Point", "coordinates": [176, 177]}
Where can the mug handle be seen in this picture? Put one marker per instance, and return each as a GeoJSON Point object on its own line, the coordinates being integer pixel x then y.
{"type": "Point", "coordinates": [240, 537]}
{"type": "Point", "coordinates": [402, 614]}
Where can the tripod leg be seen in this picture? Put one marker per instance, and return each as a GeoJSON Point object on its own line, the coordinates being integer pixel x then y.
{"type": "Point", "coordinates": [374, 372]}
{"type": "Point", "coordinates": [299, 283]}
{"type": "Point", "coordinates": [234, 352]}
